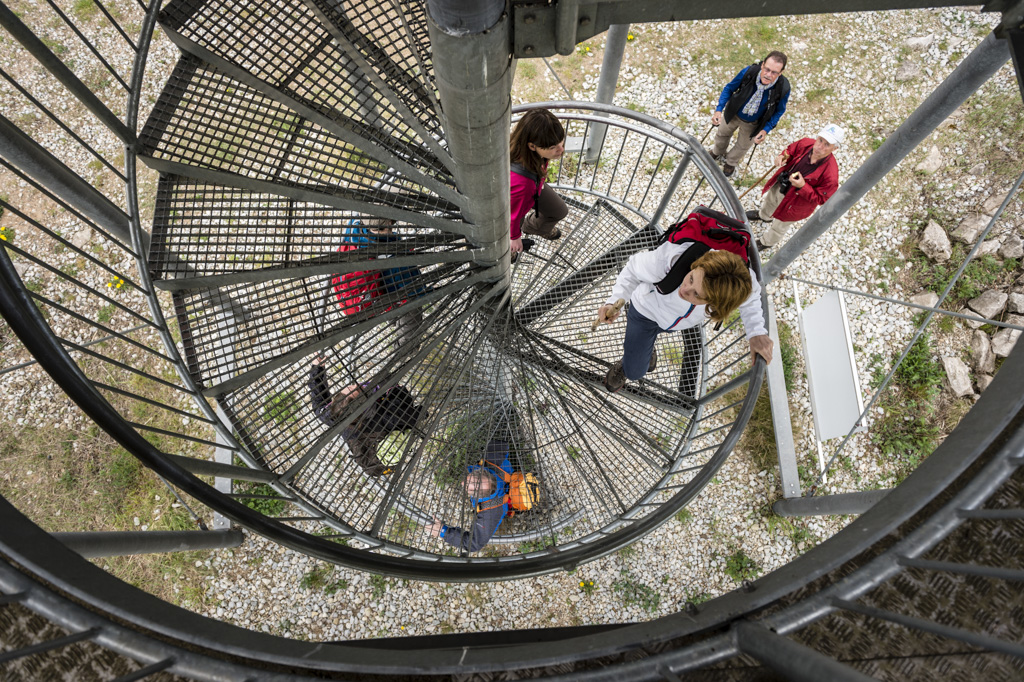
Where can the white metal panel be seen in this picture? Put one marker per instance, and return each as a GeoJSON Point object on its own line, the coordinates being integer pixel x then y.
{"type": "Point", "coordinates": [831, 370]}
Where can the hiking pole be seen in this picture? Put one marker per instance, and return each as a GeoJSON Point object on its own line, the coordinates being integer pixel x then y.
{"type": "Point", "coordinates": [615, 309]}
{"type": "Point", "coordinates": [785, 160]}
{"type": "Point", "coordinates": [749, 158]}
{"type": "Point", "coordinates": [713, 126]}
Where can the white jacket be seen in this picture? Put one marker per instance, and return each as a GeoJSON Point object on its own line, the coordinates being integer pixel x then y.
{"type": "Point", "coordinates": [646, 268]}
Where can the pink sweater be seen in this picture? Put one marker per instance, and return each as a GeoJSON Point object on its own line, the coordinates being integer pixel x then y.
{"type": "Point", "coordinates": [524, 193]}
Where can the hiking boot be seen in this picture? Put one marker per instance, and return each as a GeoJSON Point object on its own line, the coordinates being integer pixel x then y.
{"type": "Point", "coordinates": [761, 246]}
{"type": "Point", "coordinates": [531, 225]}
{"type": "Point", "coordinates": [728, 170]}
{"type": "Point", "coordinates": [615, 378]}
{"type": "Point", "coordinates": [754, 215]}
{"type": "Point", "coordinates": [716, 157]}
{"type": "Point", "coordinates": [654, 360]}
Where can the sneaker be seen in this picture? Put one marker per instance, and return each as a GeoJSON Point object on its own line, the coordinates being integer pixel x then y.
{"type": "Point", "coordinates": [728, 170]}
{"type": "Point", "coordinates": [654, 360]}
{"type": "Point", "coordinates": [754, 215]}
{"type": "Point", "coordinates": [761, 246]}
{"type": "Point", "coordinates": [616, 378]}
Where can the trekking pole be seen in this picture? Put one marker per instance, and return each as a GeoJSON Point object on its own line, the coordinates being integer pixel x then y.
{"type": "Point", "coordinates": [749, 158]}
{"type": "Point", "coordinates": [615, 308]}
{"type": "Point", "coordinates": [713, 126]}
{"type": "Point", "coordinates": [785, 160]}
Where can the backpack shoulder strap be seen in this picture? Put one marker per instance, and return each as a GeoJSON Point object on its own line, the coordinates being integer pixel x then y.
{"type": "Point", "coordinates": [681, 268]}
{"type": "Point", "coordinates": [520, 169]}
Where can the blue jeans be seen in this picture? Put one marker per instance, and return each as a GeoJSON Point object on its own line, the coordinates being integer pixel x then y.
{"type": "Point", "coordinates": [641, 334]}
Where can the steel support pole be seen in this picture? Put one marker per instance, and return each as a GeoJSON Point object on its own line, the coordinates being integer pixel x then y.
{"type": "Point", "coordinates": [204, 467]}
{"type": "Point", "coordinates": [976, 68]}
{"type": "Point", "coordinates": [121, 543]}
{"type": "Point", "coordinates": [792, 660]}
{"type": "Point", "coordinates": [614, 48]}
{"type": "Point", "coordinates": [844, 503]}
{"type": "Point", "coordinates": [473, 72]}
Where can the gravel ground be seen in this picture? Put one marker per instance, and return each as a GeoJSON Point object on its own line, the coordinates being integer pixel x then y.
{"type": "Point", "coordinates": [268, 588]}
{"type": "Point", "coordinates": [842, 72]}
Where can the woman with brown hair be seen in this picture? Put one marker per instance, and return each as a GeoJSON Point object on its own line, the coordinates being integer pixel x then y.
{"type": "Point", "coordinates": [538, 138]}
{"type": "Point", "coordinates": [714, 284]}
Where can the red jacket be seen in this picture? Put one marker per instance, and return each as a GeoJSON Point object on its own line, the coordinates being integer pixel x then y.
{"type": "Point", "coordinates": [820, 185]}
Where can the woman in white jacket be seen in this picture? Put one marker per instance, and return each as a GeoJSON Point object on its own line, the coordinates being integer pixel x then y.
{"type": "Point", "coordinates": [717, 282]}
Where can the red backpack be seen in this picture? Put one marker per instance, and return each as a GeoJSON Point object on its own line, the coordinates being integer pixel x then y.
{"type": "Point", "coordinates": [710, 231]}
{"type": "Point", "coordinates": [355, 290]}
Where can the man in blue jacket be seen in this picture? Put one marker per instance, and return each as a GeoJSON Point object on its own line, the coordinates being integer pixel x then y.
{"type": "Point", "coordinates": [752, 103]}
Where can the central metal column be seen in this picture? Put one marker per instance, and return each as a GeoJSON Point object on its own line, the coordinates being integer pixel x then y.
{"type": "Point", "coordinates": [473, 70]}
{"type": "Point", "coordinates": [614, 48]}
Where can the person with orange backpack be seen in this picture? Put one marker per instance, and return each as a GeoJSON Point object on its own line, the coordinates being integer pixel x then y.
{"type": "Point", "coordinates": [699, 271]}
{"type": "Point", "coordinates": [496, 492]}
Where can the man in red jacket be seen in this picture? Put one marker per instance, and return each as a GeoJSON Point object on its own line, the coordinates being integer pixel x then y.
{"type": "Point", "coordinates": [808, 175]}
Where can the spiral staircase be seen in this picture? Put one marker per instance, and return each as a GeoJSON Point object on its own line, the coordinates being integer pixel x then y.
{"type": "Point", "coordinates": [281, 127]}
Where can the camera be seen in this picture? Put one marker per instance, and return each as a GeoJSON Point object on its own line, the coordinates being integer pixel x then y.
{"type": "Point", "coordinates": [784, 183]}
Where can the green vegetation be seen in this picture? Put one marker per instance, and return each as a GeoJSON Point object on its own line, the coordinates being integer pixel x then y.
{"type": "Point", "coordinates": [106, 313]}
{"type": "Point", "coordinates": [526, 69]}
{"type": "Point", "coordinates": [587, 587]}
{"type": "Point", "coordinates": [267, 507]}
{"type": "Point", "coordinates": [634, 593]}
{"type": "Point", "coordinates": [684, 516]}
{"type": "Point", "coordinates": [627, 552]}
{"type": "Point", "coordinates": [740, 567]}
{"type": "Point", "coordinates": [378, 586]}
{"type": "Point", "coordinates": [818, 95]}
{"type": "Point", "coordinates": [908, 431]}
{"type": "Point", "coordinates": [320, 579]}
{"type": "Point", "coordinates": [282, 407]}
{"type": "Point", "coordinates": [537, 545]}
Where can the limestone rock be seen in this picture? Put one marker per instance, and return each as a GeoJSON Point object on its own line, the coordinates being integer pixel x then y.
{"type": "Point", "coordinates": [1015, 303]}
{"type": "Point", "coordinates": [921, 43]}
{"type": "Point", "coordinates": [977, 169]}
{"type": "Point", "coordinates": [983, 382]}
{"type": "Point", "coordinates": [989, 304]}
{"type": "Point", "coordinates": [906, 71]}
{"type": "Point", "coordinates": [992, 204]}
{"type": "Point", "coordinates": [1012, 247]}
{"type": "Point", "coordinates": [989, 247]}
{"type": "Point", "coordinates": [82, 238]}
{"type": "Point", "coordinates": [970, 227]}
{"type": "Point", "coordinates": [932, 162]}
{"type": "Point", "coordinates": [973, 324]}
{"type": "Point", "coordinates": [958, 375]}
{"type": "Point", "coordinates": [1003, 341]}
{"type": "Point", "coordinates": [925, 298]}
{"type": "Point", "coordinates": [935, 244]}
{"type": "Point", "coordinates": [981, 353]}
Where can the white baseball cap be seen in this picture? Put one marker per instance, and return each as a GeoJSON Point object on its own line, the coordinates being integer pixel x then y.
{"type": "Point", "coordinates": [832, 134]}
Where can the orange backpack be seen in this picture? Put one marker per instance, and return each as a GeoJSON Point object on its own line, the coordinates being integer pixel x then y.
{"type": "Point", "coordinates": [523, 492]}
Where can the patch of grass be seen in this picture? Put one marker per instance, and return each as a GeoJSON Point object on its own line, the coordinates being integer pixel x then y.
{"type": "Point", "coordinates": [378, 586]}
{"type": "Point", "coordinates": [818, 95]}
{"type": "Point", "coordinates": [587, 587]}
{"type": "Point", "coordinates": [317, 578]}
{"type": "Point", "coordinates": [526, 69]}
{"type": "Point", "coordinates": [632, 592]}
{"type": "Point", "coordinates": [627, 552]}
{"type": "Point", "coordinates": [282, 408]}
{"type": "Point", "coordinates": [740, 567]}
{"type": "Point", "coordinates": [907, 431]}
{"type": "Point", "coordinates": [106, 313]}
{"type": "Point", "coordinates": [267, 507]}
{"type": "Point", "coordinates": [536, 545]}
{"type": "Point", "coordinates": [684, 516]}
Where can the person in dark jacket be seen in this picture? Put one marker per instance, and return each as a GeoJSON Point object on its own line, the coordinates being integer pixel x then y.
{"type": "Point", "coordinates": [487, 493]}
{"type": "Point", "coordinates": [393, 410]}
{"type": "Point", "coordinates": [751, 103]}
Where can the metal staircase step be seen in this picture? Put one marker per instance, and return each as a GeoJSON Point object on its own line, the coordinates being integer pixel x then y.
{"type": "Point", "coordinates": [209, 126]}
{"type": "Point", "coordinates": [207, 235]}
{"type": "Point", "coordinates": [316, 59]}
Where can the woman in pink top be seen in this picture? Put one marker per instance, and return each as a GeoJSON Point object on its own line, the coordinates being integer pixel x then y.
{"type": "Point", "coordinates": [537, 139]}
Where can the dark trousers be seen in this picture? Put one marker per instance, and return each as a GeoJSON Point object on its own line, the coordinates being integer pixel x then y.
{"type": "Point", "coordinates": [641, 333]}
{"type": "Point", "coordinates": [550, 209]}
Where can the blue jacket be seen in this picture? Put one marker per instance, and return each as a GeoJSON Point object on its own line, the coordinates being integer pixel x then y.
{"type": "Point", "coordinates": [392, 279]}
{"type": "Point", "coordinates": [486, 523]}
{"type": "Point", "coordinates": [781, 88]}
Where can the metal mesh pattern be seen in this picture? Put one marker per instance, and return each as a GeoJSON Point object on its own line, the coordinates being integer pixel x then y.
{"type": "Point", "coordinates": [207, 120]}
{"type": "Point", "coordinates": [217, 230]}
{"type": "Point", "coordinates": [271, 319]}
{"type": "Point", "coordinates": [288, 49]}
